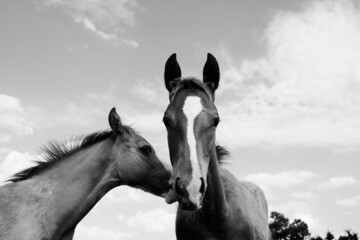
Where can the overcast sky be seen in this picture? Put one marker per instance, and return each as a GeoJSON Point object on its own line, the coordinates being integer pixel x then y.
{"type": "Point", "coordinates": [289, 96]}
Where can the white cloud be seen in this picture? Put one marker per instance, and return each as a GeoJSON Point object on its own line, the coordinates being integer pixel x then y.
{"type": "Point", "coordinates": [349, 202]}
{"type": "Point", "coordinates": [79, 115]}
{"type": "Point", "coordinates": [153, 90]}
{"type": "Point", "coordinates": [158, 220]}
{"type": "Point", "coordinates": [88, 25]}
{"type": "Point", "coordinates": [83, 232]}
{"type": "Point", "coordinates": [120, 217]}
{"type": "Point", "coordinates": [4, 150]}
{"type": "Point", "coordinates": [131, 43]}
{"type": "Point", "coordinates": [125, 193]}
{"type": "Point", "coordinates": [305, 89]}
{"type": "Point", "coordinates": [104, 18]}
{"type": "Point", "coordinates": [314, 223]}
{"type": "Point", "coordinates": [13, 120]}
{"type": "Point", "coordinates": [304, 195]}
{"type": "Point", "coordinates": [84, 46]}
{"type": "Point", "coordinates": [336, 182]}
{"type": "Point", "coordinates": [108, 95]}
{"type": "Point", "coordinates": [291, 208]}
{"type": "Point", "coordinates": [282, 179]}
{"type": "Point", "coordinates": [14, 162]}
{"type": "Point", "coordinates": [300, 210]}
{"type": "Point", "coordinates": [87, 114]}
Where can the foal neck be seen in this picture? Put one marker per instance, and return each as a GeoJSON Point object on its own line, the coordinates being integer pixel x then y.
{"type": "Point", "coordinates": [215, 195]}
{"type": "Point", "coordinates": [72, 187]}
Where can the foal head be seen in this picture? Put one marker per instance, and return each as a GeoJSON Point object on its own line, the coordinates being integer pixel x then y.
{"type": "Point", "coordinates": [191, 119]}
{"type": "Point", "coordinates": [135, 160]}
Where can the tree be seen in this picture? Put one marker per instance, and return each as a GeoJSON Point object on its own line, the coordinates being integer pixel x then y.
{"type": "Point", "coordinates": [350, 236]}
{"type": "Point", "coordinates": [316, 238]}
{"type": "Point", "coordinates": [329, 236]}
{"type": "Point", "coordinates": [278, 226]}
{"type": "Point", "coordinates": [282, 230]}
{"type": "Point", "coordinates": [298, 230]}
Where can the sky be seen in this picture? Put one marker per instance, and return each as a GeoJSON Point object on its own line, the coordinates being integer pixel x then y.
{"type": "Point", "coordinates": [289, 96]}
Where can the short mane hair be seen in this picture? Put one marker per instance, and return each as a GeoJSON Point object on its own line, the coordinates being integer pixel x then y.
{"type": "Point", "coordinates": [55, 151]}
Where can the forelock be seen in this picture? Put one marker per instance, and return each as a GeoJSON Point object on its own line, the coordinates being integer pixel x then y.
{"type": "Point", "coordinates": [190, 83]}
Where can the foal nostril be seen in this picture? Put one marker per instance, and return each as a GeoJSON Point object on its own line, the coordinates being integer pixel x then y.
{"type": "Point", "coordinates": [202, 187]}
{"type": "Point", "coordinates": [179, 190]}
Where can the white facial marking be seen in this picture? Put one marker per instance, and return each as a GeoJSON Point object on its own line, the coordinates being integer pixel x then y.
{"type": "Point", "coordinates": [192, 108]}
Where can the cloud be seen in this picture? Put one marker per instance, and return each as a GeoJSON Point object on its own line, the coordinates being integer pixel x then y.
{"type": "Point", "coordinates": [158, 220]}
{"type": "Point", "coordinates": [314, 223]}
{"type": "Point", "coordinates": [304, 195]}
{"type": "Point", "coordinates": [14, 162]}
{"type": "Point", "coordinates": [13, 120]}
{"type": "Point", "coordinates": [336, 182]}
{"type": "Point", "coordinates": [89, 112]}
{"type": "Point", "coordinates": [103, 18]}
{"type": "Point", "coordinates": [120, 217]}
{"type": "Point", "coordinates": [125, 193]}
{"type": "Point", "coordinates": [88, 25]}
{"type": "Point", "coordinates": [131, 43]}
{"type": "Point", "coordinates": [83, 232]}
{"type": "Point", "coordinates": [77, 114]}
{"type": "Point", "coordinates": [107, 95]}
{"type": "Point", "coordinates": [349, 202]}
{"type": "Point", "coordinates": [305, 88]}
{"type": "Point", "coordinates": [300, 210]}
{"type": "Point", "coordinates": [282, 179]}
{"type": "Point", "coordinates": [152, 90]}
{"type": "Point", "coordinates": [4, 150]}
{"type": "Point", "coordinates": [82, 47]}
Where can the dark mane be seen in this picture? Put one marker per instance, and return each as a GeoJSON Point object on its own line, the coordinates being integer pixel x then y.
{"type": "Point", "coordinates": [54, 152]}
{"type": "Point", "coordinates": [190, 83]}
{"type": "Point", "coordinates": [221, 153]}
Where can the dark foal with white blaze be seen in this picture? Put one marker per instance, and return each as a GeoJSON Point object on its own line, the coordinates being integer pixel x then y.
{"type": "Point", "coordinates": [47, 201]}
{"type": "Point", "coordinates": [213, 204]}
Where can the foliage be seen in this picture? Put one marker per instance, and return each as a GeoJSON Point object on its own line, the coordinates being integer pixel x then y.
{"type": "Point", "coordinates": [329, 236]}
{"type": "Point", "coordinates": [350, 236]}
{"type": "Point", "coordinates": [282, 229]}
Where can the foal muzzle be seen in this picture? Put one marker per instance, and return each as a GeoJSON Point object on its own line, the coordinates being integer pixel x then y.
{"type": "Point", "coordinates": [189, 196]}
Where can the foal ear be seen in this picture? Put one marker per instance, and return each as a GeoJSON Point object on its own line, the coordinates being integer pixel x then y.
{"type": "Point", "coordinates": [211, 73]}
{"type": "Point", "coordinates": [115, 122]}
{"type": "Point", "coordinates": [172, 72]}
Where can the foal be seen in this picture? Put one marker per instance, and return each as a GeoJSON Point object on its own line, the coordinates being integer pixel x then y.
{"type": "Point", "coordinates": [213, 204]}
{"type": "Point", "coordinates": [47, 201]}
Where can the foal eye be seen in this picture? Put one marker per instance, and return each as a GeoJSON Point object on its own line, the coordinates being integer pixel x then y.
{"type": "Point", "coordinates": [166, 121]}
{"type": "Point", "coordinates": [216, 121]}
{"type": "Point", "coordinates": [145, 149]}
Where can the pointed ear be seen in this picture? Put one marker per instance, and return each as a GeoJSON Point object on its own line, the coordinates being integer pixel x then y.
{"type": "Point", "coordinates": [211, 73]}
{"type": "Point", "coordinates": [115, 122]}
{"type": "Point", "coordinates": [172, 72]}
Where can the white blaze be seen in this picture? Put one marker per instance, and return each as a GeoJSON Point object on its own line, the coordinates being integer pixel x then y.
{"type": "Point", "coordinates": [192, 108]}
